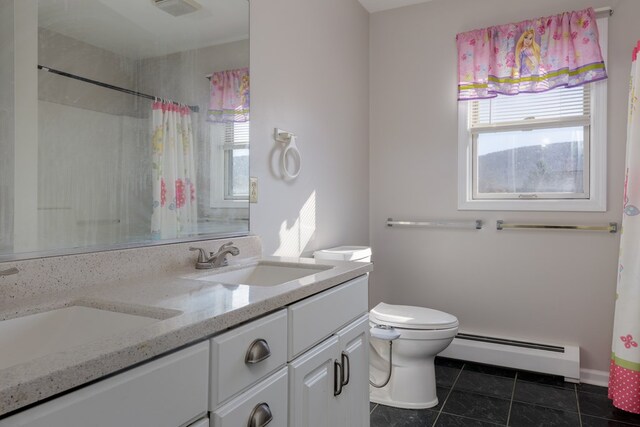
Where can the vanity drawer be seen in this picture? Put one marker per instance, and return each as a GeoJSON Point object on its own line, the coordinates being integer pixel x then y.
{"type": "Point", "coordinates": [166, 392]}
{"type": "Point", "coordinates": [315, 318]}
{"type": "Point", "coordinates": [269, 396]}
{"type": "Point", "coordinates": [229, 367]}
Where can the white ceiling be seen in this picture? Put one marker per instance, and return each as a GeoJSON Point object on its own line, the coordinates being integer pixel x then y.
{"type": "Point", "coordinates": [137, 29]}
{"type": "Point", "coordinates": [378, 5]}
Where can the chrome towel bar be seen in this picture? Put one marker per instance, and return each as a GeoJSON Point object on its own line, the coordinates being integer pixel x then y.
{"type": "Point", "coordinates": [611, 228]}
{"type": "Point", "coordinates": [474, 224]}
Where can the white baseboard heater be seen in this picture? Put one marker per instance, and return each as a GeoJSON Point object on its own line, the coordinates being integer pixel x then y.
{"type": "Point", "coordinates": [561, 360]}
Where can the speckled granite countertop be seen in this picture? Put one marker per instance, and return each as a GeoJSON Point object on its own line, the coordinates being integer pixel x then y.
{"type": "Point", "coordinates": [189, 310]}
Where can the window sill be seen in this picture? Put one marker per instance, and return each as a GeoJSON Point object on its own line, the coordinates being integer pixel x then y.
{"type": "Point", "coordinates": [567, 205]}
{"type": "Point", "coordinates": [229, 204]}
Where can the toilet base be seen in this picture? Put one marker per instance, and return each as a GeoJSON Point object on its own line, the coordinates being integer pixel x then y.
{"type": "Point", "coordinates": [410, 387]}
{"type": "Point", "coordinates": [412, 384]}
{"type": "Point", "coordinates": [403, 405]}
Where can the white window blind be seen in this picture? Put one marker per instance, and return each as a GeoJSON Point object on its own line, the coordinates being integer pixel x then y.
{"type": "Point", "coordinates": [562, 105]}
{"type": "Point", "coordinates": [230, 163]}
{"type": "Point", "coordinates": [236, 155]}
{"type": "Point", "coordinates": [236, 135]}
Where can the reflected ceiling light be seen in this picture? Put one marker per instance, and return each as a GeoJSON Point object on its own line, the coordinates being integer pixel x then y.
{"type": "Point", "coordinates": [178, 7]}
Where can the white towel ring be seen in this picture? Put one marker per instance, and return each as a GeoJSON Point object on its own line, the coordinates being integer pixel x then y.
{"type": "Point", "coordinates": [291, 149]}
{"type": "Point", "coordinates": [288, 139]}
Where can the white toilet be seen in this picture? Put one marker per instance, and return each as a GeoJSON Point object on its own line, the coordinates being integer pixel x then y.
{"type": "Point", "coordinates": [422, 334]}
{"type": "Point", "coordinates": [417, 335]}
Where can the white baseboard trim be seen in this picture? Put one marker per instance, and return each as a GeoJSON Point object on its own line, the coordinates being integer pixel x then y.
{"type": "Point", "coordinates": [565, 364]}
{"type": "Point", "coordinates": [593, 377]}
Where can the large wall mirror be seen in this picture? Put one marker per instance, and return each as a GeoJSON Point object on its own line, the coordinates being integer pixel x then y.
{"type": "Point", "coordinates": [122, 123]}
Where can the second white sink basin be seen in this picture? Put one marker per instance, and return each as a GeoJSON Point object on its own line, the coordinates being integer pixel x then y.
{"type": "Point", "coordinates": [29, 337]}
{"type": "Point", "coordinates": [266, 274]}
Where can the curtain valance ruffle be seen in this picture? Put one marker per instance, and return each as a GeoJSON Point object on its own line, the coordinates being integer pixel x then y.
{"type": "Point", "coordinates": [229, 96]}
{"type": "Point", "coordinates": [530, 56]}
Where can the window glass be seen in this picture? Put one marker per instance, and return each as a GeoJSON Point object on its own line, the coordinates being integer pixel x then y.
{"type": "Point", "coordinates": [537, 161]}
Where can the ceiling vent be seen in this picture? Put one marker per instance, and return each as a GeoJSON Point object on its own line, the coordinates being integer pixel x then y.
{"type": "Point", "coordinates": [177, 7]}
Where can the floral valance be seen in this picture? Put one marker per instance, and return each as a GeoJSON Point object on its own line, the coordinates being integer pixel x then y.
{"type": "Point", "coordinates": [229, 96]}
{"type": "Point", "coordinates": [530, 56]}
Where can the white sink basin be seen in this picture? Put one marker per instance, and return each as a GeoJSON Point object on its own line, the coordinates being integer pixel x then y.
{"type": "Point", "coordinates": [29, 337]}
{"type": "Point", "coordinates": [266, 274]}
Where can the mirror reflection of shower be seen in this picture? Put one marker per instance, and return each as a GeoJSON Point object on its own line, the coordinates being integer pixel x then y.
{"type": "Point", "coordinates": [113, 141]}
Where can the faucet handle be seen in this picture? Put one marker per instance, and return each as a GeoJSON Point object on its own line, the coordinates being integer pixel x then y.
{"type": "Point", "coordinates": [202, 255]}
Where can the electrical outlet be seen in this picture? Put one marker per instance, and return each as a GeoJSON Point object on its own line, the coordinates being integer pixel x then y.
{"type": "Point", "coordinates": [253, 189]}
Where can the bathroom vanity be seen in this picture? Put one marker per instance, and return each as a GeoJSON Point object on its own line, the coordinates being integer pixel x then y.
{"type": "Point", "coordinates": [294, 352]}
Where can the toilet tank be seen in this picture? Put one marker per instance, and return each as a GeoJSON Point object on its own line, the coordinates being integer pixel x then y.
{"type": "Point", "coordinates": [345, 253]}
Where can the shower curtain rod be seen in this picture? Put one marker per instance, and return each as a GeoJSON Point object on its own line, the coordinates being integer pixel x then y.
{"type": "Point", "coordinates": [193, 108]}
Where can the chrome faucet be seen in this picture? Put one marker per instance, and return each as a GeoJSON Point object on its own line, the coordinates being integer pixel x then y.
{"type": "Point", "coordinates": [215, 259]}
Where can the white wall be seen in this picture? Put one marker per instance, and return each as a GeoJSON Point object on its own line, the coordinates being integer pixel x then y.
{"type": "Point", "coordinates": [542, 286]}
{"type": "Point", "coordinates": [309, 75]}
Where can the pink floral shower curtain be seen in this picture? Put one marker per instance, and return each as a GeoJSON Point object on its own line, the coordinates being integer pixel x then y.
{"type": "Point", "coordinates": [175, 210]}
{"type": "Point", "coordinates": [530, 56]}
{"type": "Point", "coordinates": [229, 96]}
{"type": "Point", "coordinates": [624, 378]}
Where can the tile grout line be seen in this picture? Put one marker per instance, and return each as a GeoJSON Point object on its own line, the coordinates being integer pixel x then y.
{"type": "Point", "coordinates": [546, 406]}
{"type": "Point", "coordinates": [513, 392]}
{"type": "Point", "coordinates": [464, 417]}
{"type": "Point", "coordinates": [575, 388]}
{"type": "Point", "coordinates": [448, 394]}
{"type": "Point", "coordinates": [557, 387]}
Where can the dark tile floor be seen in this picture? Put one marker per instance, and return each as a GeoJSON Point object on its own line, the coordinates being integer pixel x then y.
{"type": "Point", "coordinates": [480, 395]}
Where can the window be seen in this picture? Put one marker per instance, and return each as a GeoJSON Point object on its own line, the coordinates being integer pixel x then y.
{"type": "Point", "coordinates": [230, 172]}
{"type": "Point", "coordinates": [535, 151]}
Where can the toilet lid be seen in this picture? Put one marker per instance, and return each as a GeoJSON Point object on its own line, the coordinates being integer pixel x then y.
{"type": "Point", "coordinates": [409, 317]}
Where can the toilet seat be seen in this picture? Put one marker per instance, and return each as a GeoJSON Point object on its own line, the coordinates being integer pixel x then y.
{"type": "Point", "coordinates": [410, 317]}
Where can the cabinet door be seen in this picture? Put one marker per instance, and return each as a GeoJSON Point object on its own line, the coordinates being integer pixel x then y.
{"type": "Point", "coordinates": [353, 402]}
{"type": "Point", "coordinates": [311, 386]}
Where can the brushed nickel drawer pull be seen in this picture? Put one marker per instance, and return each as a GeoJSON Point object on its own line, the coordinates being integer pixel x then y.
{"type": "Point", "coordinates": [258, 351]}
{"type": "Point", "coordinates": [260, 416]}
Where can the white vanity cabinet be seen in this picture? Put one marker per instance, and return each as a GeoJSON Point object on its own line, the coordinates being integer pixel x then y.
{"type": "Point", "coordinates": [306, 365]}
{"type": "Point", "coordinates": [167, 392]}
{"type": "Point", "coordinates": [316, 368]}
{"type": "Point", "coordinates": [329, 383]}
